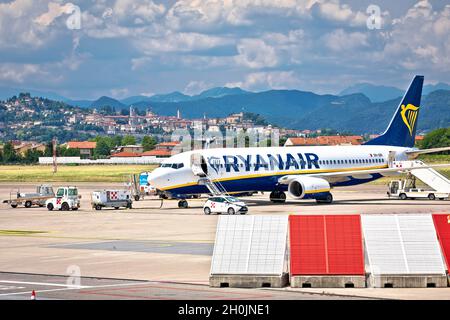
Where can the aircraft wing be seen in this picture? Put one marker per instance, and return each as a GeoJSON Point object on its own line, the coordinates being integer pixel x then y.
{"type": "Point", "coordinates": [414, 153]}
{"type": "Point", "coordinates": [361, 174]}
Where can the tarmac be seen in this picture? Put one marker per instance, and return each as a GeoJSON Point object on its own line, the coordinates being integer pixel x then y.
{"type": "Point", "coordinates": [159, 252]}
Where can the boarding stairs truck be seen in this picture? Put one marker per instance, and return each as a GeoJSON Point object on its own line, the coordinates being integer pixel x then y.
{"type": "Point", "coordinates": [66, 199]}
{"type": "Point", "coordinates": [111, 198]}
{"type": "Point", "coordinates": [406, 188]}
{"type": "Point", "coordinates": [38, 198]}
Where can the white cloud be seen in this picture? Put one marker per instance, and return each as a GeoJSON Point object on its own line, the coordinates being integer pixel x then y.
{"type": "Point", "coordinates": [18, 73]}
{"type": "Point", "coordinates": [196, 87]}
{"type": "Point", "coordinates": [178, 42]}
{"type": "Point", "coordinates": [17, 28]}
{"type": "Point", "coordinates": [256, 54]}
{"type": "Point", "coordinates": [119, 93]}
{"type": "Point", "coordinates": [54, 11]}
{"type": "Point", "coordinates": [139, 11]}
{"type": "Point", "coordinates": [339, 40]}
{"type": "Point", "coordinates": [267, 80]}
{"type": "Point", "coordinates": [215, 14]}
{"type": "Point", "coordinates": [419, 40]}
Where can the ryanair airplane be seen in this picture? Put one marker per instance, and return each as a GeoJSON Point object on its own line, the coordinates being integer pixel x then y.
{"type": "Point", "coordinates": [302, 172]}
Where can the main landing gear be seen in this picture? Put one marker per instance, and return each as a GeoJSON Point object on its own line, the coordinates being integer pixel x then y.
{"type": "Point", "coordinates": [183, 204]}
{"type": "Point", "coordinates": [278, 197]}
{"type": "Point", "coordinates": [328, 198]}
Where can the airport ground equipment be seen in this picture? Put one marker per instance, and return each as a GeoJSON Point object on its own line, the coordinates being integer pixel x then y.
{"type": "Point", "coordinates": [250, 252]}
{"type": "Point", "coordinates": [326, 251]}
{"type": "Point", "coordinates": [134, 187]}
{"type": "Point", "coordinates": [111, 199]}
{"type": "Point", "coordinates": [224, 204]}
{"type": "Point", "coordinates": [417, 169]}
{"type": "Point", "coordinates": [66, 199]}
{"type": "Point", "coordinates": [406, 189]}
{"type": "Point", "coordinates": [402, 251]}
{"type": "Point", "coordinates": [38, 198]}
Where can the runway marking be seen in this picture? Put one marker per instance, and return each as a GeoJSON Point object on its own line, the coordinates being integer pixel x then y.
{"type": "Point", "coordinates": [19, 232]}
{"type": "Point", "coordinates": [107, 239]}
{"type": "Point", "coordinates": [4, 288]}
{"type": "Point", "coordinates": [47, 284]}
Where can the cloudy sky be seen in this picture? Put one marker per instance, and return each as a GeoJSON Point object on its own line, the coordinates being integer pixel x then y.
{"type": "Point", "coordinates": [123, 47]}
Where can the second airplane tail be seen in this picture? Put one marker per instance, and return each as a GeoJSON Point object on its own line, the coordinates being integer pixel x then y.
{"type": "Point", "coordinates": [401, 131]}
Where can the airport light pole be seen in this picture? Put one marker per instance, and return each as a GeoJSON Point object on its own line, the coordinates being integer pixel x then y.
{"type": "Point", "coordinates": [55, 165]}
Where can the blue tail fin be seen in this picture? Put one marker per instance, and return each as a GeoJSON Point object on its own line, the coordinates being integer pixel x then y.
{"type": "Point", "coordinates": [401, 131]}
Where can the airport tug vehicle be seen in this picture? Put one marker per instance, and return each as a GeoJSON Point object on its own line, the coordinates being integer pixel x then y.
{"type": "Point", "coordinates": [66, 199]}
{"type": "Point", "coordinates": [406, 189]}
{"type": "Point", "coordinates": [224, 204]}
{"type": "Point", "coordinates": [38, 198]}
{"type": "Point", "coordinates": [111, 199]}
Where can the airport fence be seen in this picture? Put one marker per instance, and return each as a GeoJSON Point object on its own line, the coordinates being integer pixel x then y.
{"type": "Point", "coordinates": [78, 160]}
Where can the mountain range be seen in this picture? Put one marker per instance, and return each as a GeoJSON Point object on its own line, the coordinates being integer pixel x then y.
{"type": "Point", "coordinates": [383, 93]}
{"type": "Point", "coordinates": [354, 109]}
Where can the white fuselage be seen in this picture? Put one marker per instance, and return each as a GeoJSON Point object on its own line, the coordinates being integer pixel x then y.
{"type": "Point", "coordinates": [258, 169]}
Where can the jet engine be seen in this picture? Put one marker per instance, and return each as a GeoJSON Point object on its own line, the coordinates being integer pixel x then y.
{"type": "Point", "coordinates": [301, 186]}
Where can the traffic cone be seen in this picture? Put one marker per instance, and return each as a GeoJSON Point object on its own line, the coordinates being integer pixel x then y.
{"type": "Point", "coordinates": [33, 295]}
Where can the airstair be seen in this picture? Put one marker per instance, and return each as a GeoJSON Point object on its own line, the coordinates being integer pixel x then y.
{"type": "Point", "coordinates": [200, 169]}
{"type": "Point", "coordinates": [216, 188]}
{"type": "Point", "coordinates": [429, 176]}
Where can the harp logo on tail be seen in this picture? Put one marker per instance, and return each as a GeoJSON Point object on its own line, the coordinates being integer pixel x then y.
{"type": "Point", "coordinates": [409, 116]}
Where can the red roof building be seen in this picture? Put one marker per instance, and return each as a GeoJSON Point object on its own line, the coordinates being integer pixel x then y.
{"type": "Point", "coordinates": [86, 147]}
{"type": "Point", "coordinates": [125, 155]}
{"type": "Point", "coordinates": [159, 153]}
{"type": "Point", "coordinates": [81, 144]}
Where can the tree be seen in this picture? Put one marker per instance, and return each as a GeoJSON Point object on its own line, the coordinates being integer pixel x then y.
{"type": "Point", "coordinates": [9, 154]}
{"type": "Point", "coordinates": [48, 149]}
{"type": "Point", "coordinates": [128, 140]}
{"type": "Point", "coordinates": [102, 148]}
{"type": "Point", "coordinates": [70, 152]}
{"type": "Point", "coordinates": [436, 139]}
{"type": "Point", "coordinates": [116, 141]}
{"type": "Point", "coordinates": [32, 156]}
{"type": "Point", "coordinates": [148, 143]}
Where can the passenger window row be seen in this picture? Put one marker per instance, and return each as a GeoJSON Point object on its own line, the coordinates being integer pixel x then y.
{"type": "Point", "coordinates": [352, 161]}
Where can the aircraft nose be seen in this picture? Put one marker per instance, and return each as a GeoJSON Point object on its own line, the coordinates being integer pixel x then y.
{"type": "Point", "coordinates": [157, 178]}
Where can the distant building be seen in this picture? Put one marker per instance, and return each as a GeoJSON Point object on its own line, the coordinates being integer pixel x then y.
{"type": "Point", "coordinates": [129, 149]}
{"type": "Point", "coordinates": [324, 141]}
{"type": "Point", "coordinates": [86, 147]}
{"type": "Point", "coordinates": [234, 118]}
{"type": "Point", "coordinates": [168, 146]}
{"type": "Point", "coordinates": [125, 154]}
{"type": "Point", "coordinates": [158, 153]}
{"type": "Point", "coordinates": [419, 138]}
{"type": "Point", "coordinates": [23, 147]}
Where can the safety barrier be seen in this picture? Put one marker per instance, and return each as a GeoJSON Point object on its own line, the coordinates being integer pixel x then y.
{"type": "Point", "coordinates": [326, 251]}
{"type": "Point", "coordinates": [250, 252]}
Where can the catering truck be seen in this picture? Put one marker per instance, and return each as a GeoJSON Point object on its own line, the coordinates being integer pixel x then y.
{"type": "Point", "coordinates": [111, 198]}
{"type": "Point", "coordinates": [66, 199]}
{"type": "Point", "coordinates": [38, 198]}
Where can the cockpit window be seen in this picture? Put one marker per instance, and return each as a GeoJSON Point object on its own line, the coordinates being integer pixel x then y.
{"type": "Point", "coordinates": [172, 165]}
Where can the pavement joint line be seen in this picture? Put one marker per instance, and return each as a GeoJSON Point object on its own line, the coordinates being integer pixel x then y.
{"type": "Point", "coordinates": [327, 293]}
